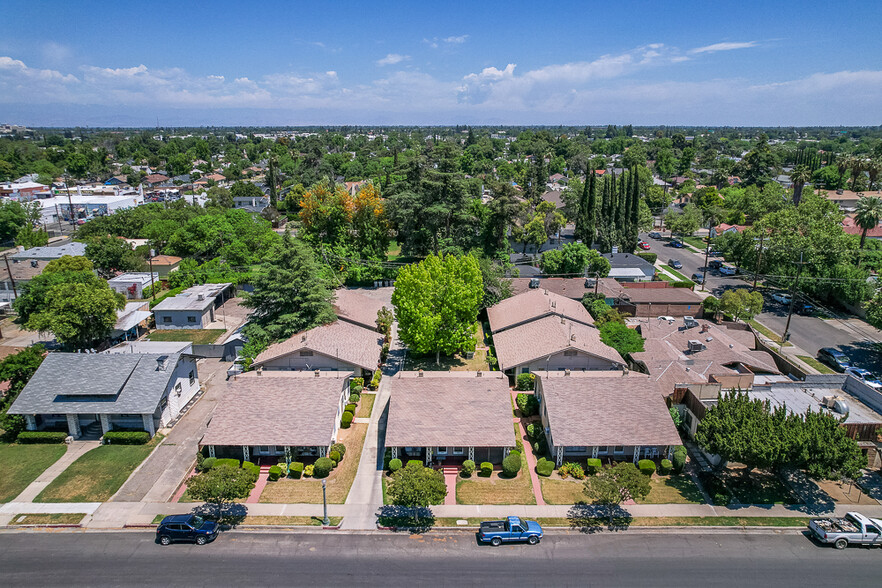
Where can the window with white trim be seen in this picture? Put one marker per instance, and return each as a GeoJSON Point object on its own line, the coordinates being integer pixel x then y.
{"type": "Point", "coordinates": [619, 449]}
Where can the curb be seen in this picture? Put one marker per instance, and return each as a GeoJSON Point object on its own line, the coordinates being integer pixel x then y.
{"type": "Point", "coordinates": [636, 529]}
{"type": "Point", "coordinates": [50, 526]}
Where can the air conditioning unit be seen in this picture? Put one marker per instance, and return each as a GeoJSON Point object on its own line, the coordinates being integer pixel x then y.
{"type": "Point", "coordinates": [690, 322]}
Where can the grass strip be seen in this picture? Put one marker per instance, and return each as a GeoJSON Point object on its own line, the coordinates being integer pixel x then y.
{"type": "Point", "coordinates": [48, 518]}
{"type": "Point", "coordinates": [811, 361]}
{"type": "Point", "coordinates": [724, 521]}
{"type": "Point", "coordinates": [680, 276]}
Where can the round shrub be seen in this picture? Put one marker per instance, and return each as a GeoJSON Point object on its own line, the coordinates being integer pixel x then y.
{"type": "Point", "coordinates": [296, 469]}
{"type": "Point", "coordinates": [308, 471]}
{"type": "Point", "coordinates": [527, 404]}
{"type": "Point", "coordinates": [339, 448]}
{"type": "Point", "coordinates": [646, 467]}
{"type": "Point", "coordinates": [412, 463]}
{"type": "Point", "coordinates": [227, 461]}
{"type": "Point", "coordinates": [394, 465]}
{"type": "Point", "coordinates": [346, 420]}
{"type": "Point", "coordinates": [665, 467]}
{"type": "Point", "coordinates": [468, 468]}
{"type": "Point", "coordinates": [594, 466]}
{"type": "Point", "coordinates": [353, 398]}
{"type": "Point", "coordinates": [544, 467]}
{"type": "Point", "coordinates": [525, 382]}
{"type": "Point", "coordinates": [511, 464]}
{"type": "Point", "coordinates": [540, 447]}
{"type": "Point", "coordinates": [208, 463]}
{"type": "Point", "coordinates": [335, 456]}
{"type": "Point", "coordinates": [534, 430]}
{"type": "Point", "coordinates": [274, 473]}
{"type": "Point", "coordinates": [679, 461]}
{"type": "Point", "coordinates": [721, 499]}
{"type": "Point", "coordinates": [323, 467]}
{"type": "Point", "coordinates": [351, 407]}
{"type": "Point", "coordinates": [486, 469]}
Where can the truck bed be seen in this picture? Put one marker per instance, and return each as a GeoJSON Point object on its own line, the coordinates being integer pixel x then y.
{"type": "Point", "coordinates": [836, 525]}
{"type": "Point", "coordinates": [492, 526]}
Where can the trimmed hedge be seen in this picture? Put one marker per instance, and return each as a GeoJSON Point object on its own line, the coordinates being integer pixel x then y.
{"type": "Point", "coordinates": [544, 467]}
{"type": "Point", "coordinates": [511, 465]}
{"type": "Point", "coordinates": [339, 448]}
{"type": "Point", "coordinates": [468, 468]}
{"type": "Point", "coordinates": [526, 382]}
{"type": "Point", "coordinates": [208, 463]}
{"type": "Point", "coordinates": [41, 437]}
{"type": "Point", "coordinates": [646, 467]}
{"type": "Point", "coordinates": [648, 256]}
{"type": "Point", "coordinates": [594, 464]}
{"type": "Point", "coordinates": [335, 456]}
{"type": "Point", "coordinates": [486, 469]}
{"type": "Point", "coordinates": [540, 446]}
{"type": "Point", "coordinates": [227, 461]}
{"type": "Point", "coordinates": [527, 404]}
{"type": "Point", "coordinates": [394, 465]}
{"type": "Point", "coordinates": [322, 467]}
{"type": "Point", "coordinates": [275, 472]}
{"type": "Point", "coordinates": [410, 462]}
{"type": "Point", "coordinates": [351, 407]}
{"type": "Point", "coordinates": [346, 420]}
{"type": "Point", "coordinates": [682, 284]}
{"type": "Point", "coordinates": [665, 467]}
{"type": "Point", "coordinates": [356, 383]}
{"type": "Point", "coordinates": [534, 430]}
{"type": "Point", "coordinates": [251, 466]}
{"type": "Point", "coordinates": [296, 469]}
{"type": "Point", "coordinates": [375, 381]}
{"type": "Point", "coordinates": [126, 437]}
{"type": "Point", "coordinates": [679, 461]}
{"type": "Point", "coordinates": [354, 398]}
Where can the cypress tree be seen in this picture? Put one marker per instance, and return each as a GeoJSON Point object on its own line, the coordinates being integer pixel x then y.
{"type": "Point", "coordinates": [634, 223]}
{"type": "Point", "coordinates": [592, 210]}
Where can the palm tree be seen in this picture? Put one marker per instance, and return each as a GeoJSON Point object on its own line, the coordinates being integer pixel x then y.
{"type": "Point", "coordinates": [856, 165]}
{"type": "Point", "coordinates": [800, 175]}
{"type": "Point", "coordinates": [873, 168]}
{"type": "Point", "coordinates": [868, 214]}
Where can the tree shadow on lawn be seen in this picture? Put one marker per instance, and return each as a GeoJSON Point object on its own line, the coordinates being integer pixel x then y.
{"type": "Point", "coordinates": [414, 520]}
{"type": "Point", "coordinates": [592, 518]}
{"type": "Point", "coordinates": [227, 515]}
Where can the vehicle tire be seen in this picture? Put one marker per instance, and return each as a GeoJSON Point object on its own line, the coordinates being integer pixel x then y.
{"type": "Point", "coordinates": [496, 542]}
{"type": "Point", "coordinates": [533, 540]}
{"type": "Point", "coordinates": [841, 543]}
{"type": "Point", "coordinates": [165, 540]}
{"type": "Point", "coordinates": [201, 540]}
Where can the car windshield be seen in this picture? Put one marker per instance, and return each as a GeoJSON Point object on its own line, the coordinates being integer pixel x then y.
{"type": "Point", "coordinates": [197, 521]}
{"type": "Point", "coordinates": [522, 524]}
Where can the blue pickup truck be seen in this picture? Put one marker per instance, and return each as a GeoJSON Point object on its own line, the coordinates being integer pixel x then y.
{"type": "Point", "coordinates": [511, 530]}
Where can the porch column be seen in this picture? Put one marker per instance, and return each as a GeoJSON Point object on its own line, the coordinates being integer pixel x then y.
{"type": "Point", "coordinates": [394, 453]}
{"type": "Point", "coordinates": [560, 456]}
{"type": "Point", "coordinates": [73, 426]}
{"type": "Point", "coordinates": [323, 451]}
{"type": "Point", "coordinates": [30, 422]}
{"type": "Point", "coordinates": [105, 423]}
{"type": "Point", "coordinates": [428, 456]}
{"type": "Point", "coordinates": [636, 454]}
{"type": "Point", "coordinates": [288, 459]}
{"type": "Point", "coordinates": [472, 453]}
{"type": "Point", "coordinates": [211, 451]}
{"type": "Point", "coordinates": [245, 456]}
{"type": "Point", "coordinates": [505, 452]}
{"type": "Point", "coordinates": [669, 452]}
{"type": "Point", "coordinates": [148, 423]}
{"type": "Point", "coordinates": [594, 452]}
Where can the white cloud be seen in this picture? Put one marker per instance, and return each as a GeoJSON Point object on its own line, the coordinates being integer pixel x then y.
{"type": "Point", "coordinates": [722, 47]}
{"type": "Point", "coordinates": [392, 59]}
{"type": "Point", "coordinates": [456, 40]}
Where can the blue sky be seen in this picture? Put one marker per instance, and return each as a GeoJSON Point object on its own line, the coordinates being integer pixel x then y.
{"type": "Point", "coordinates": [288, 63]}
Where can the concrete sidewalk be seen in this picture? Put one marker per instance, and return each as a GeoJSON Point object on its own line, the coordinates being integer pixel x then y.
{"type": "Point", "coordinates": [74, 451]}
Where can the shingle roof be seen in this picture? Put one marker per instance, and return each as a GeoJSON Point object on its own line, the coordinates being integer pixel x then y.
{"type": "Point", "coordinates": [534, 304]}
{"type": "Point", "coordinates": [570, 287]}
{"type": "Point", "coordinates": [450, 409]}
{"type": "Point", "coordinates": [345, 341]}
{"type": "Point", "coordinates": [360, 306]}
{"type": "Point", "coordinates": [22, 270]}
{"type": "Point", "coordinates": [661, 296]}
{"type": "Point", "coordinates": [629, 260]}
{"type": "Point", "coordinates": [598, 408]}
{"type": "Point", "coordinates": [277, 408]}
{"type": "Point", "coordinates": [103, 383]}
{"type": "Point", "coordinates": [547, 336]}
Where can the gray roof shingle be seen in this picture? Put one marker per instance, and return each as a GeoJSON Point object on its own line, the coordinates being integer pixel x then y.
{"type": "Point", "coordinates": [77, 383]}
{"type": "Point", "coordinates": [455, 409]}
{"type": "Point", "coordinates": [534, 304]}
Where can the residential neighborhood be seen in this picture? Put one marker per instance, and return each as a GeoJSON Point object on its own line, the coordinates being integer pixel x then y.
{"type": "Point", "coordinates": [581, 308]}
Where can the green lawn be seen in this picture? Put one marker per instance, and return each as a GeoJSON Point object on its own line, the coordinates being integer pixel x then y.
{"type": "Point", "coordinates": [54, 518]}
{"type": "Point", "coordinates": [767, 332]}
{"type": "Point", "coordinates": [22, 464]}
{"type": "Point", "coordinates": [674, 489]}
{"type": "Point", "coordinates": [196, 336]}
{"type": "Point", "coordinates": [671, 270]}
{"type": "Point", "coordinates": [697, 242]}
{"type": "Point", "coordinates": [98, 474]}
{"type": "Point", "coordinates": [816, 364]}
{"type": "Point", "coordinates": [365, 405]}
{"type": "Point", "coordinates": [725, 521]}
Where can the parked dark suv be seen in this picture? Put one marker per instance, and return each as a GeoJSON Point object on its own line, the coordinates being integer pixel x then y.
{"type": "Point", "coordinates": [186, 528]}
{"type": "Point", "coordinates": [834, 358]}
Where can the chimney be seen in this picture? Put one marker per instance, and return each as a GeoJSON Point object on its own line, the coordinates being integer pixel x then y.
{"type": "Point", "coordinates": [160, 363]}
{"type": "Point", "coordinates": [420, 373]}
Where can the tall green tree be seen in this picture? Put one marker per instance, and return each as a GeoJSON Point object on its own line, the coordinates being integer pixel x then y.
{"type": "Point", "coordinates": [800, 175]}
{"type": "Point", "coordinates": [221, 485]}
{"type": "Point", "coordinates": [615, 484]}
{"type": "Point", "coordinates": [417, 486]}
{"type": "Point", "coordinates": [80, 315]}
{"type": "Point", "coordinates": [290, 293]}
{"type": "Point", "coordinates": [17, 369]}
{"type": "Point", "coordinates": [741, 304]}
{"type": "Point", "coordinates": [574, 258]}
{"type": "Point", "coordinates": [868, 213]}
{"type": "Point", "coordinates": [111, 255]}
{"type": "Point", "coordinates": [436, 302]}
{"type": "Point", "coordinates": [586, 219]}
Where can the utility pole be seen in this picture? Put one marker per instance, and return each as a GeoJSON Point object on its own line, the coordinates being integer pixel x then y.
{"type": "Point", "coordinates": [325, 521]}
{"type": "Point", "coordinates": [706, 255]}
{"type": "Point", "coordinates": [759, 258]}
{"type": "Point", "coordinates": [793, 292]}
{"type": "Point", "coordinates": [11, 279]}
{"type": "Point", "coordinates": [70, 205]}
{"type": "Point", "coordinates": [152, 287]}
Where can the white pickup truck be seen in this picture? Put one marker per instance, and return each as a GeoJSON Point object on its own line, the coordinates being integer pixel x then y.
{"type": "Point", "coordinates": [852, 528]}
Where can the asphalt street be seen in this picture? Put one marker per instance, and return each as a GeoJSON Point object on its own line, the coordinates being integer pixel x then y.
{"type": "Point", "coordinates": [852, 336]}
{"type": "Point", "coordinates": [627, 558]}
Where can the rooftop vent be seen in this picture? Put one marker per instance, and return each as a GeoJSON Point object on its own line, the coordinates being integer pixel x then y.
{"type": "Point", "coordinates": [34, 263]}
{"type": "Point", "coordinates": [534, 282]}
{"type": "Point", "coordinates": [200, 296]}
{"type": "Point", "coordinates": [160, 362]}
{"type": "Point", "coordinates": [566, 372]}
{"type": "Point", "coordinates": [690, 322]}
{"type": "Point", "coordinates": [318, 373]}
{"type": "Point", "coordinates": [420, 375]}
{"type": "Point", "coordinates": [260, 370]}
{"type": "Point", "coordinates": [479, 373]}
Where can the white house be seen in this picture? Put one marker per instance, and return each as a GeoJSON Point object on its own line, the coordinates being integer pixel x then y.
{"type": "Point", "coordinates": [133, 284]}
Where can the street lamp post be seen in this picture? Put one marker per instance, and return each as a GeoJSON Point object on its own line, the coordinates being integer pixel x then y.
{"type": "Point", "coordinates": [325, 521]}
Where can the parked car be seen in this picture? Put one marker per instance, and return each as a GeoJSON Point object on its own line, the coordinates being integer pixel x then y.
{"type": "Point", "coordinates": [864, 376]}
{"type": "Point", "coordinates": [511, 530]}
{"type": "Point", "coordinates": [728, 270]}
{"type": "Point", "coordinates": [852, 528]}
{"type": "Point", "coordinates": [806, 309]}
{"type": "Point", "coordinates": [186, 528]}
{"type": "Point", "coordinates": [781, 297]}
{"type": "Point", "coordinates": [643, 245]}
{"type": "Point", "coordinates": [714, 264]}
{"type": "Point", "coordinates": [655, 235]}
{"type": "Point", "coordinates": [675, 263]}
{"type": "Point", "coordinates": [698, 278]}
{"type": "Point", "coordinates": [677, 244]}
{"type": "Point", "coordinates": [834, 358]}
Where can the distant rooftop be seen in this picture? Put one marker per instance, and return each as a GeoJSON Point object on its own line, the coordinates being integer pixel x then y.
{"type": "Point", "coordinates": [51, 252]}
{"type": "Point", "coordinates": [195, 298]}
